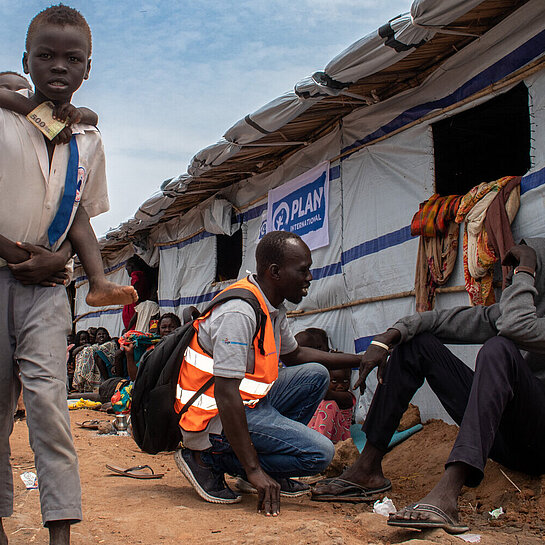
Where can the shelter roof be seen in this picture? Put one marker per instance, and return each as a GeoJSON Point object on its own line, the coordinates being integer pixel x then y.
{"type": "Point", "coordinates": [397, 57]}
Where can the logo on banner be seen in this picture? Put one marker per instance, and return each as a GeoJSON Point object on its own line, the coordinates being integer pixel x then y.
{"type": "Point", "coordinates": [262, 229]}
{"type": "Point", "coordinates": [301, 207]}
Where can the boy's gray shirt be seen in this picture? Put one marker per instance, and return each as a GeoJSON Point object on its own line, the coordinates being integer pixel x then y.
{"type": "Point", "coordinates": [519, 316]}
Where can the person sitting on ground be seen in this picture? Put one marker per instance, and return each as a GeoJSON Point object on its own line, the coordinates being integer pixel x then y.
{"type": "Point", "coordinates": [119, 391]}
{"type": "Point", "coordinates": [138, 272]}
{"type": "Point", "coordinates": [252, 422]}
{"type": "Point", "coordinates": [80, 234]}
{"type": "Point", "coordinates": [82, 339]}
{"type": "Point", "coordinates": [500, 407]}
{"type": "Point", "coordinates": [94, 362]}
{"type": "Point", "coordinates": [145, 318]}
{"type": "Point", "coordinates": [333, 416]}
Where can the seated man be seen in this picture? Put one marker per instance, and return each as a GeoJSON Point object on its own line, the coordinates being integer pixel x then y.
{"type": "Point", "coordinates": [500, 407]}
{"type": "Point", "coordinates": [252, 422]}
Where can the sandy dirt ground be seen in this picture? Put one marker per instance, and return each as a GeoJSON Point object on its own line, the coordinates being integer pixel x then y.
{"type": "Point", "coordinates": [120, 510]}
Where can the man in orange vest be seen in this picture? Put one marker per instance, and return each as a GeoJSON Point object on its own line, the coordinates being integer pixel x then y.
{"type": "Point", "coordinates": [252, 422]}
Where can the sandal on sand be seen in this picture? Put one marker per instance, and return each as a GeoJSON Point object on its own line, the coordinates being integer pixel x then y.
{"type": "Point", "coordinates": [134, 472]}
{"type": "Point", "coordinates": [440, 520]}
{"type": "Point", "coordinates": [348, 491]}
{"type": "Point", "coordinates": [90, 424]}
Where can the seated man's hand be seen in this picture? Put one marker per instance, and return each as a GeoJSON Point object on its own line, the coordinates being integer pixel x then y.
{"type": "Point", "coordinates": [521, 254]}
{"type": "Point", "coordinates": [376, 356]}
{"type": "Point", "coordinates": [43, 267]}
{"type": "Point", "coordinates": [268, 492]}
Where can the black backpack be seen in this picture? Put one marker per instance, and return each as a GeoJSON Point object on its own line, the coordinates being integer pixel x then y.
{"type": "Point", "coordinates": [155, 423]}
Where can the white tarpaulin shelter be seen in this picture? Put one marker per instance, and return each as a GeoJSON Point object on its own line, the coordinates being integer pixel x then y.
{"type": "Point", "coordinates": [370, 114]}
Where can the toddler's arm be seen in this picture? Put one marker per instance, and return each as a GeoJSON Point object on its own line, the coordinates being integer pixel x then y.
{"type": "Point", "coordinates": [10, 100]}
{"type": "Point", "coordinates": [88, 116]}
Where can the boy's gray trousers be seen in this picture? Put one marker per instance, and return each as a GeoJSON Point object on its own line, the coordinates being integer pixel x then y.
{"type": "Point", "coordinates": [34, 322]}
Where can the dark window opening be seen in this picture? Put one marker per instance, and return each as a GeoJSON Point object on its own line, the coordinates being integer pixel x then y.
{"type": "Point", "coordinates": [229, 256]}
{"type": "Point", "coordinates": [483, 144]}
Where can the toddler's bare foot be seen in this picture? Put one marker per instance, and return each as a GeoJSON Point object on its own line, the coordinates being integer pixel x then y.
{"type": "Point", "coordinates": [107, 293]}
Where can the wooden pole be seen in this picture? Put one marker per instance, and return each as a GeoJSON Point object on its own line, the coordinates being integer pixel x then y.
{"type": "Point", "coordinates": [367, 300]}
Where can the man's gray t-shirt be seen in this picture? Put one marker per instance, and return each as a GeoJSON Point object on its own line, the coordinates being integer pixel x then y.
{"type": "Point", "coordinates": [227, 335]}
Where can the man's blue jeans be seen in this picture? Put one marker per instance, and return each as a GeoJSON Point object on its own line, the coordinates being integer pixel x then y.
{"type": "Point", "coordinates": [286, 447]}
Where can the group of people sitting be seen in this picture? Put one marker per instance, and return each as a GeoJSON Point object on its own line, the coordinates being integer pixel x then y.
{"type": "Point", "coordinates": [93, 356]}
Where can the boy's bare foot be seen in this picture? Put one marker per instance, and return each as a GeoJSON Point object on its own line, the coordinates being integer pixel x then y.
{"type": "Point", "coordinates": [59, 532]}
{"type": "Point", "coordinates": [106, 293]}
{"type": "Point", "coordinates": [3, 536]}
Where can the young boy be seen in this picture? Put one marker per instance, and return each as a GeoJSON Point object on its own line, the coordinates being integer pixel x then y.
{"type": "Point", "coordinates": [34, 320]}
{"type": "Point", "coordinates": [81, 235]}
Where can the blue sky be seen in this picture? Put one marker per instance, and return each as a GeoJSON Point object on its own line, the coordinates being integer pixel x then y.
{"type": "Point", "coordinates": [168, 78]}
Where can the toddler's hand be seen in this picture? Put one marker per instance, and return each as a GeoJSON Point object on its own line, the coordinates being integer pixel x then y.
{"type": "Point", "coordinates": [68, 113]}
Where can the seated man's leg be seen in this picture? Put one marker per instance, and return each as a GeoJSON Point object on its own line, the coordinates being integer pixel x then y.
{"type": "Point", "coordinates": [506, 397]}
{"type": "Point", "coordinates": [504, 418]}
{"type": "Point", "coordinates": [424, 357]}
{"type": "Point", "coordinates": [41, 353]}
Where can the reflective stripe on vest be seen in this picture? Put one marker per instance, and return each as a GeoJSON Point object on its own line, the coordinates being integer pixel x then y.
{"type": "Point", "coordinates": [204, 402]}
{"type": "Point", "coordinates": [198, 367]}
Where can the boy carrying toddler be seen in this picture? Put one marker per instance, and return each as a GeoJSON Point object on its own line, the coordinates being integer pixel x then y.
{"type": "Point", "coordinates": [48, 193]}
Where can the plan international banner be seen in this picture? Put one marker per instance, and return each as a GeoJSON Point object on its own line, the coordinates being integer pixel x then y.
{"type": "Point", "coordinates": [301, 206]}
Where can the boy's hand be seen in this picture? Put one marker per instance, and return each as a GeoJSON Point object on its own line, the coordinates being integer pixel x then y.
{"type": "Point", "coordinates": [63, 137]}
{"type": "Point", "coordinates": [42, 267]}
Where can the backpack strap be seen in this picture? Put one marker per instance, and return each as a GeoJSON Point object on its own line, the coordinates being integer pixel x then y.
{"type": "Point", "coordinates": [196, 395]}
{"type": "Point", "coordinates": [251, 299]}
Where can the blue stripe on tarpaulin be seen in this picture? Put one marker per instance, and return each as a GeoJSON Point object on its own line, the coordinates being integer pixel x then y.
{"type": "Point", "coordinates": [328, 270]}
{"type": "Point", "coordinates": [377, 244]}
{"type": "Point", "coordinates": [500, 69]}
{"type": "Point", "coordinates": [334, 174]}
{"type": "Point", "coordinates": [106, 271]}
{"type": "Point", "coordinates": [196, 238]}
{"type": "Point", "coordinates": [191, 300]}
{"type": "Point", "coordinates": [100, 313]}
{"type": "Point", "coordinates": [250, 214]}
{"type": "Point", "coordinates": [531, 181]}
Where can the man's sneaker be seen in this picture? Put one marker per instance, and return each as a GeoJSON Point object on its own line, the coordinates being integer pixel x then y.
{"type": "Point", "coordinates": [210, 485]}
{"type": "Point", "coordinates": [289, 488]}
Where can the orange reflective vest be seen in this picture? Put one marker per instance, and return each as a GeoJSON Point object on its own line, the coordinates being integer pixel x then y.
{"type": "Point", "coordinates": [198, 367]}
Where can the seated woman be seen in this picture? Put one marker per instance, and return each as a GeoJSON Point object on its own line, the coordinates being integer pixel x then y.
{"type": "Point", "coordinates": [333, 416]}
{"type": "Point", "coordinates": [94, 362]}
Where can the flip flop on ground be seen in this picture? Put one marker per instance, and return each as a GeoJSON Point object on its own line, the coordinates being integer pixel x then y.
{"type": "Point", "coordinates": [439, 519]}
{"type": "Point", "coordinates": [90, 424]}
{"type": "Point", "coordinates": [348, 491]}
{"type": "Point", "coordinates": [135, 472]}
